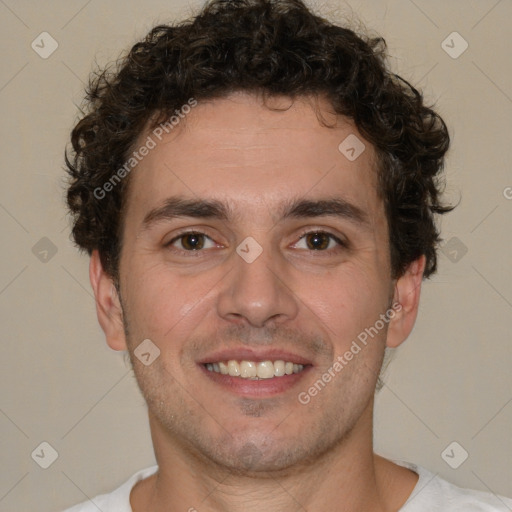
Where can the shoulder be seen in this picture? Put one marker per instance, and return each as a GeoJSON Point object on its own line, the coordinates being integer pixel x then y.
{"type": "Point", "coordinates": [434, 493]}
{"type": "Point", "coordinates": [117, 500]}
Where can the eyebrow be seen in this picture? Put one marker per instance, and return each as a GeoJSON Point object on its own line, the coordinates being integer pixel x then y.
{"type": "Point", "coordinates": [178, 206]}
{"type": "Point", "coordinates": [335, 207]}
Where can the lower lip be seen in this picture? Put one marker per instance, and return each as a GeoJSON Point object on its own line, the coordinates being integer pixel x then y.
{"type": "Point", "coordinates": [256, 388]}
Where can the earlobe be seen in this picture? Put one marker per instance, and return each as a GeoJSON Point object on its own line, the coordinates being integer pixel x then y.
{"type": "Point", "coordinates": [406, 298]}
{"type": "Point", "coordinates": [108, 304]}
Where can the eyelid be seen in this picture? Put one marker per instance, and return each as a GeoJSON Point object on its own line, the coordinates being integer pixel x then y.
{"type": "Point", "coordinates": [185, 232]}
{"type": "Point", "coordinates": [340, 240]}
{"type": "Point", "coordinates": [342, 243]}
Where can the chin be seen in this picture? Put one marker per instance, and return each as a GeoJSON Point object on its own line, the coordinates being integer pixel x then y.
{"type": "Point", "coordinates": [257, 460]}
{"type": "Point", "coordinates": [266, 452]}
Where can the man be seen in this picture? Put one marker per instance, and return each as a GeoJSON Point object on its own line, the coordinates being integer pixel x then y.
{"type": "Point", "coordinates": [257, 192]}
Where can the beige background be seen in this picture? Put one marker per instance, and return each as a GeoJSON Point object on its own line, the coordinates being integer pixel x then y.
{"type": "Point", "coordinates": [450, 382]}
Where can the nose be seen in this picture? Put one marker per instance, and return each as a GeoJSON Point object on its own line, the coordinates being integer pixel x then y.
{"type": "Point", "coordinates": [257, 293]}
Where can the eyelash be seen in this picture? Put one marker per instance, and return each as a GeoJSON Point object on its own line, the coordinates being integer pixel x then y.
{"type": "Point", "coordinates": [341, 244]}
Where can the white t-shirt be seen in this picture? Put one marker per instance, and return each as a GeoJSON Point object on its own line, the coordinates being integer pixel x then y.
{"type": "Point", "coordinates": [431, 493]}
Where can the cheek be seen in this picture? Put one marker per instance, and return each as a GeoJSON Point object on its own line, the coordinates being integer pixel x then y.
{"type": "Point", "coordinates": [163, 305]}
{"type": "Point", "coordinates": [151, 302]}
{"type": "Point", "coordinates": [347, 302]}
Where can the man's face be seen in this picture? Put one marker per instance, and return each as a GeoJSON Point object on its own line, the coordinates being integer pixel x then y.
{"type": "Point", "coordinates": [303, 300]}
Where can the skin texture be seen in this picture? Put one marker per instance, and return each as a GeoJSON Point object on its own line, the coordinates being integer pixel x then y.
{"type": "Point", "coordinates": [218, 450]}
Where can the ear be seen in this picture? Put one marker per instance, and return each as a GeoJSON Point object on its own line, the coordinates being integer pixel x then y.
{"type": "Point", "coordinates": [108, 305]}
{"type": "Point", "coordinates": [406, 299]}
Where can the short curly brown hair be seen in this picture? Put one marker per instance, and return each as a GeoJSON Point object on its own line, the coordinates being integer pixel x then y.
{"type": "Point", "coordinates": [275, 47]}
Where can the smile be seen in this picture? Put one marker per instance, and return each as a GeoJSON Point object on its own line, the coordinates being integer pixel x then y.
{"type": "Point", "coordinates": [255, 370]}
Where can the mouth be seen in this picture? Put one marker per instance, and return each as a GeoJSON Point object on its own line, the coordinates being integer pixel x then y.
{"type": "Point", "coordinates": [255, 370]}
{"type": "Point", "coordinates": [252, 375]}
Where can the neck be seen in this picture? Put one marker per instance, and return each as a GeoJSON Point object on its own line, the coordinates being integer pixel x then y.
{"type": "Point", "coordinates": [349, 478]}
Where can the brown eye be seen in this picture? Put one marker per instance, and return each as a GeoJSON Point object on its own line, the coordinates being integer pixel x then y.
{"type": "Point", "coordinates": [191, 241]}
{"type": "Point", "coordinates": [318, 241]}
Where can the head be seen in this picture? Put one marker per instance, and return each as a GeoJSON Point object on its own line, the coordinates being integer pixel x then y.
{"type": "Point", "coordinates": [228, 126]}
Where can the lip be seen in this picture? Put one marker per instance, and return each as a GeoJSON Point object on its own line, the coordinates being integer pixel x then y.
{"type": "Point", "coordinates": [247, 354]}
{"type": "Point", "coordinates": [247, 388]}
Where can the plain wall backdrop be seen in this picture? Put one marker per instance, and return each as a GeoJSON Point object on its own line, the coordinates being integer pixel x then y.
{"type": "Point", "coordinates": [451, 381]}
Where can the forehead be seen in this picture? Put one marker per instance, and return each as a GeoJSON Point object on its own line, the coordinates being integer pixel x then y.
{"type": "Point", "coordinates": [249, 154]}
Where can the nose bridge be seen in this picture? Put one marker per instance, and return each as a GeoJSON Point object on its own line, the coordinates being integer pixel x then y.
{"type": "Point", "coordinates": [256, 290]}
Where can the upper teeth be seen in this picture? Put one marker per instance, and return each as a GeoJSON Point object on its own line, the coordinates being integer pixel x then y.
{"type": "Point", "coordinates": [253, 370]}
